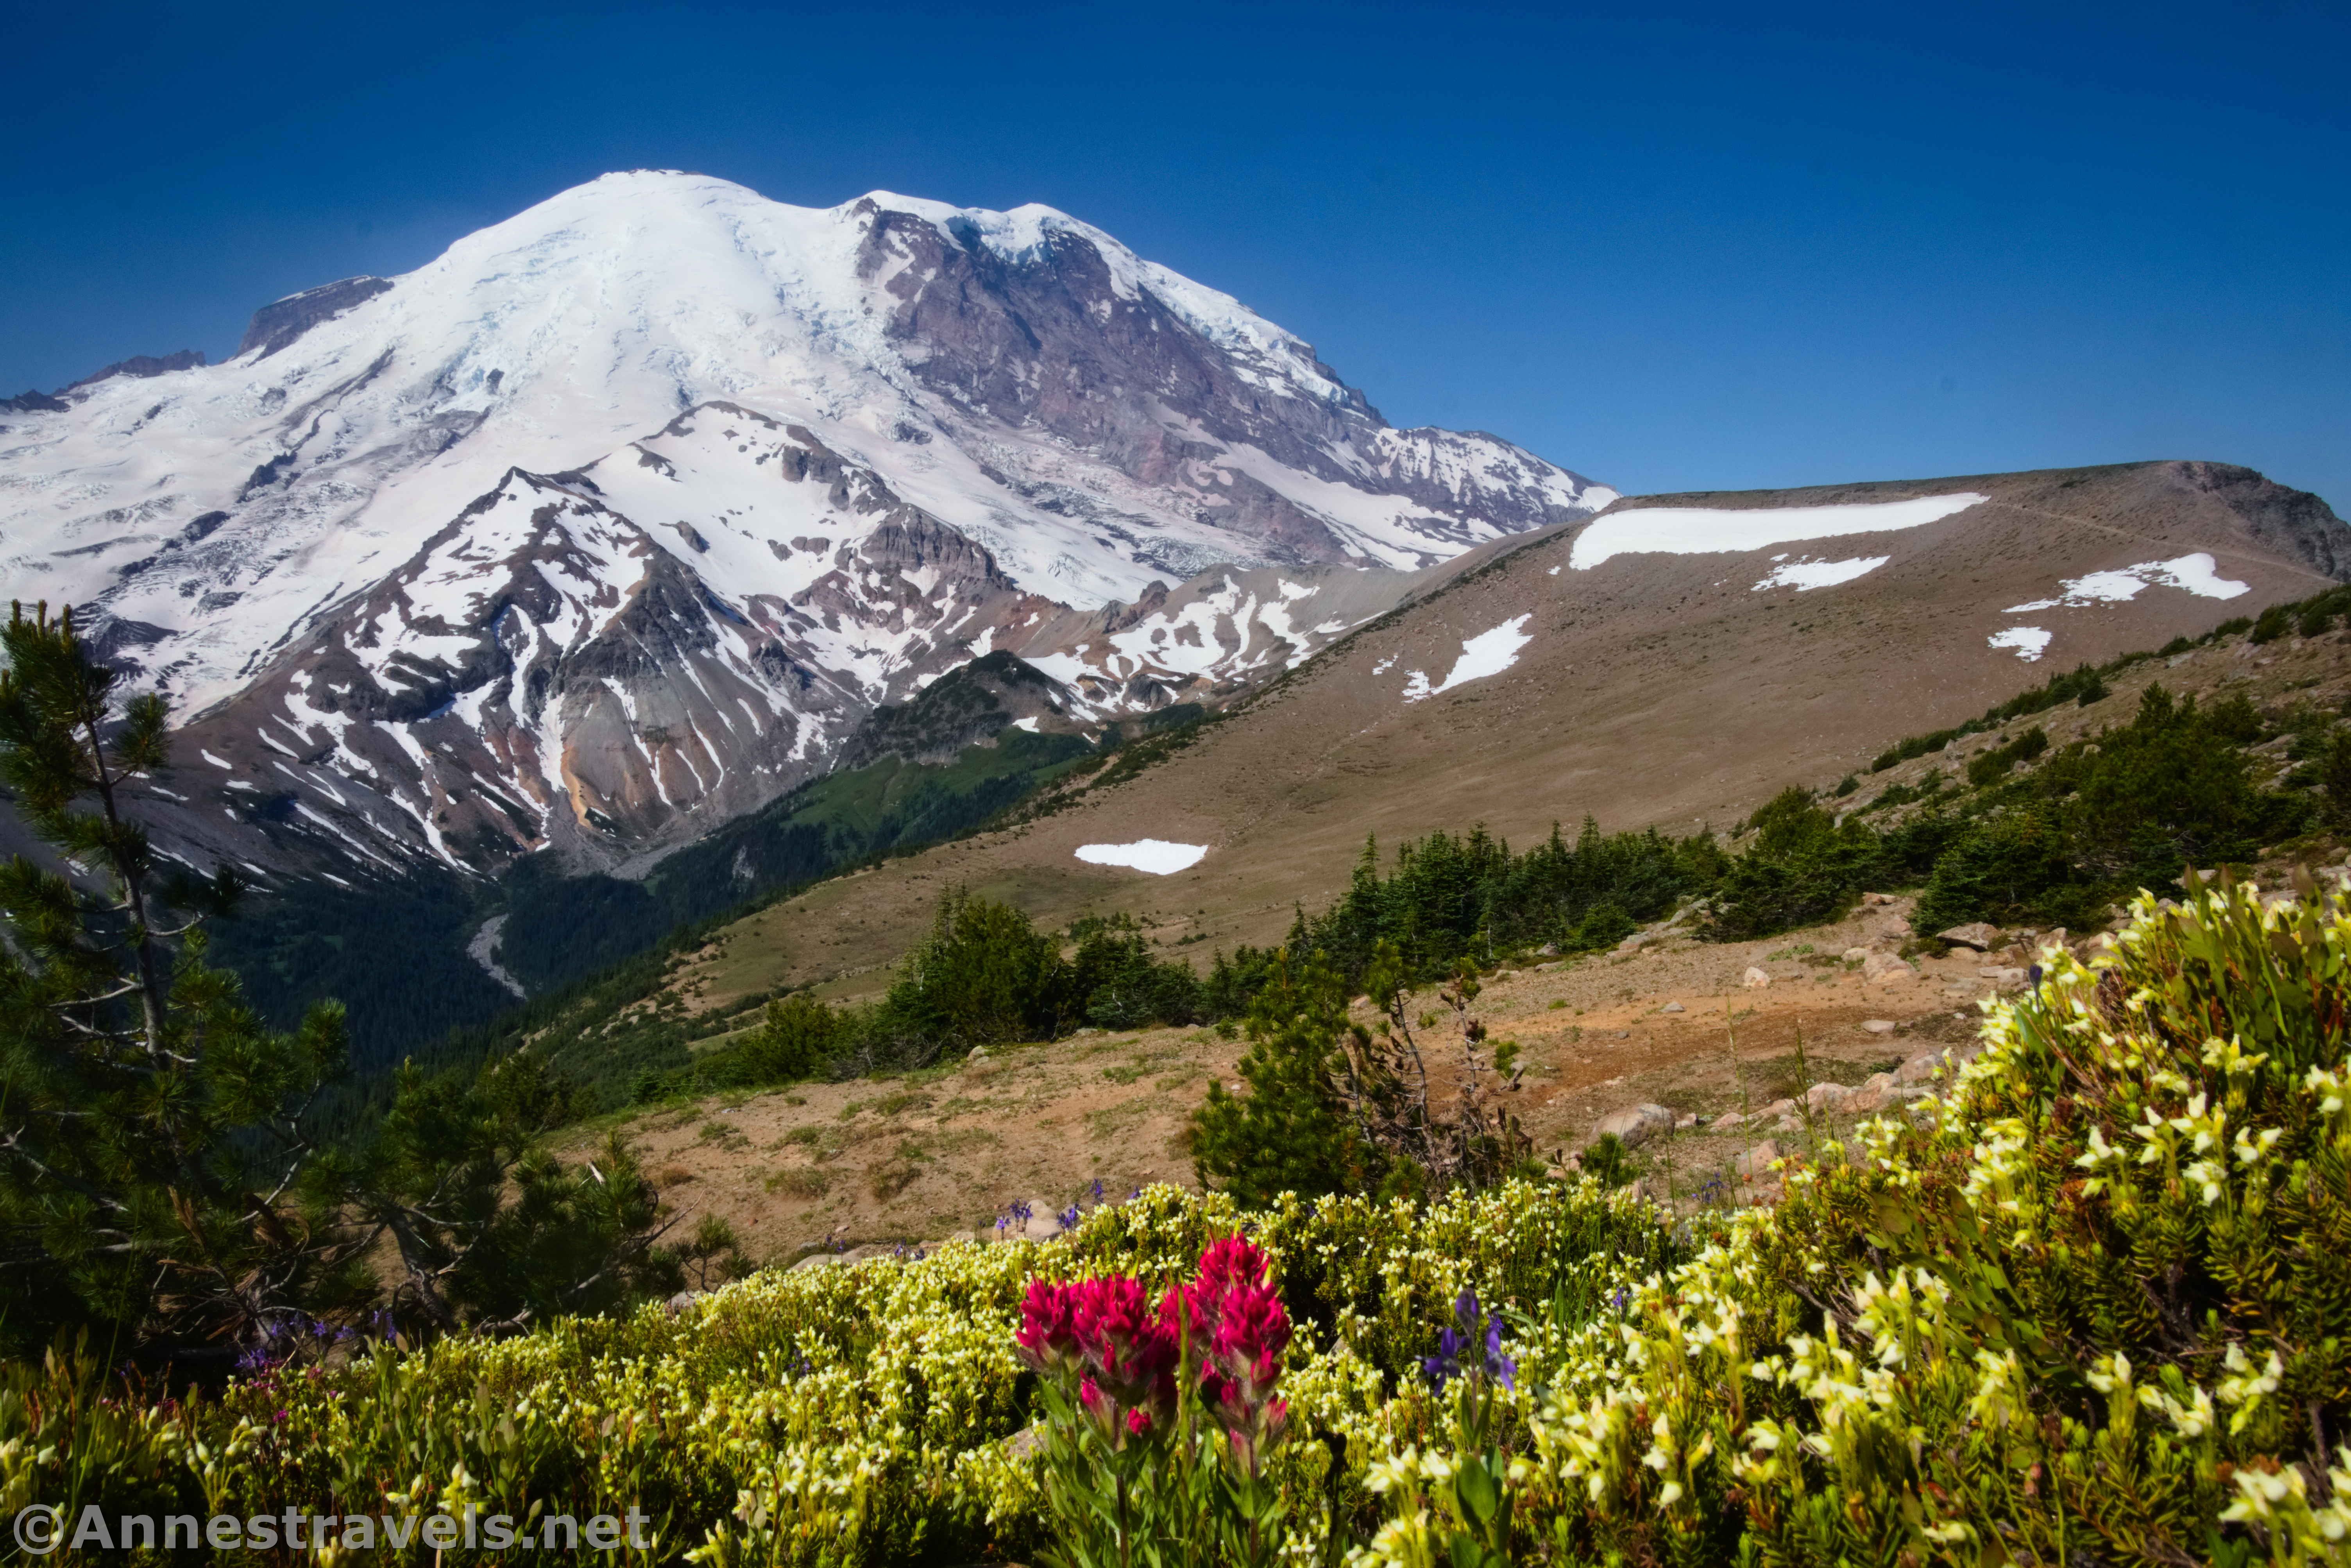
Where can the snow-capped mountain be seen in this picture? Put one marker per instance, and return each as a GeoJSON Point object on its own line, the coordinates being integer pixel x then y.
{"type": "Point", "coordinates": [619, 517]}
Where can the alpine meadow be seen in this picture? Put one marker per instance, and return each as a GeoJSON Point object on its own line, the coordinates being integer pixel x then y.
{"type": "Point", "coordinates": [718, 882]}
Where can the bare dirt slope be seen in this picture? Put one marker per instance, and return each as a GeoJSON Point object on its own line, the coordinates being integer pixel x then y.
{"type": "Point", "coordinates": [948, 1152]}
{"type": "Point", "coordinates": [1655, 688]}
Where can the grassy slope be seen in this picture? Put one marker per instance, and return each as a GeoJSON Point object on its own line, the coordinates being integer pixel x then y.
{"type": "Point", "coordinates": [934, 1153]}
{"type": "Point", "coordinates": [1667, 693]}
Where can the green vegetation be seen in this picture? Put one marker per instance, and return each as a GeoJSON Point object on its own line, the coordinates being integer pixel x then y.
{"type": "Point", "coordinates": [985, 975]}
{"type": "Point", "coordinates": [561, 929]}
{"type": "Point", "coordinates": [132, 1073]}
{"type": "Point", "coordinates": [164, 1179]}
{"type": "Point", "coordinates": [2088, 1306]}
{"type": "Point", "coordinates": [1338, 1106]}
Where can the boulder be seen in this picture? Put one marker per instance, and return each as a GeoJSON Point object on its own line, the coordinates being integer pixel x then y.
{"type": "Point", "coordinates": [1548, 950]}
{"type": "Point", "coordinates": [1828, 1096]}
{"type": "Point", "coordinates": [1922, 1068]}
{"type": "Point", "coordinates": [1730, 1121]}
{"type": "Point", "coordinates": [1631, 943]}
{"type": "Point", "coordinates": [1636, 1124]}
{"type": "Point", "coordinates": [1977, 934]}
{"type": "Point", "coordinates": [1855, 955]}
{"type": "Point", "coordinates": [1887, 967]}
{"type": "Point", "coordinates": [2007, 978]}
{"type": "Point", "coordinates": [1757, 1161]}
{"type": "Point", "coordinates": [1880, 1026]}
{"type": "Point", "coordinates": [1755, 979]}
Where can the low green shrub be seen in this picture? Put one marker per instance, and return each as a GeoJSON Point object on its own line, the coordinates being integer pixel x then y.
{"type": "Point", "coordinates": [2092, 1307]}
{"type": "Point", "coordinates": [2088, 1306]}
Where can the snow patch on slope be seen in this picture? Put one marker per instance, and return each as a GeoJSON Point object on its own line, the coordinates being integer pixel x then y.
{"type": "Point", "coordinates": [1158, 856]}
{"type": "Point", "coordinates": [2028, 641]}
{"type": "Point", "coordinates": [1487, 653]}
{"type": "Point", "coordinates": [1806, 575]}
{"type": "Point", "coordinates": [2198, 574]}
{"type": "Point", "coordinates": [1699, 530]}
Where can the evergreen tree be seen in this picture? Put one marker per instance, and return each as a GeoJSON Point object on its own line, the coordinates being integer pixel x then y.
{"type": "Point", "coordinates": [489, 1228]}
{"type": "Point", "coordinates": [982, 977]}
{"type": "Point", "coordinates": [1292, 1133]}
{"type": "Point", "coordinates": [152, 1138]}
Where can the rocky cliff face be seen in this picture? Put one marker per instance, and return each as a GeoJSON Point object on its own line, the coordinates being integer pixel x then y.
{"type": "Point", "coordinates": [622, 517]}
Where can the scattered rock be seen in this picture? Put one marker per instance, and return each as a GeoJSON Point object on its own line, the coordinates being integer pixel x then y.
{"type": "Point", "coordinates": [1631, 943]}
{"type": "Point", "coordinates": [1828, 1096]}
{"type": "Point", "coordinates": [1686, 1124]}
{"type": "Point", "coordinates": [1863, 1102]}
{"type": "Point", "coordinates": [1887, 967]}
{"type": "Point", "coordinates": [680, 1302]}
{"type": "Point", "coordinates": [1548, 950]}
{"type": "Point", "coordinates": [1026, 1442]}
{"type": "Point", "coordinates": [1777, 1108]}
{"type": "Point", "coordinates": [1977, 934]}
{"type": "Point", "coordinates": [1879, 1082]}
{"type": "Point", "coordinates": [1634, 1125]}
{"type": "Point", "coordinates": [1880, 1026]}
{"type": "Point", "coordinates": [1755, 979]}
{"type": "Point", "coordinates": [1729, 1121]}
{"type": "Point", "coordinates": [979, 1053]}
{"type": "Point", "coordinates": [2007, 977]}
{"type": "Point", "coordinates": [1757, 1161]}
{"type": "Point", "coordinates": [1879, 900]}
{"type": "Point", "coordinates": [1673, 1007]}
{"type": "Point", "coordinates": [1923, 1067]}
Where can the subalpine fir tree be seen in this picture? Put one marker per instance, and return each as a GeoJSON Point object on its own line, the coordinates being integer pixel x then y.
{"type": "Point", "coordinates": [151, 1129]}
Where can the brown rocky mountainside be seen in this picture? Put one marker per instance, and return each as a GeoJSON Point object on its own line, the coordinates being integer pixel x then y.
{"type": "Point", "coordinates": [1646, 687]}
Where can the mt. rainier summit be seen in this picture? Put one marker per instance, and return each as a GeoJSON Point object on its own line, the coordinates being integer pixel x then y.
{"type": "Point", "coordinates": [620, 518]}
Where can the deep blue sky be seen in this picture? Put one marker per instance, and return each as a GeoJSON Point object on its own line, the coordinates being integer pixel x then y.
{"type": "Point", "coordinates": [1671, 247]}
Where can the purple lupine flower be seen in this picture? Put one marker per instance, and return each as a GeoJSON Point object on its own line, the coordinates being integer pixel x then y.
{"type": "Point", "coordinates": [1500, 1367]}
{"type": "Point", "coordinates": [1459, 1344]}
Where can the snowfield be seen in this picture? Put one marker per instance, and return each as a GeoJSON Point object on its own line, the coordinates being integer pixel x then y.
{"type": "Point", "coordinates": [1158, 856]}
{"type": "Point", "coordinates": [2028, 641]}
{"type": "Point", "coordinates": [1701, 530]}
{"type": "Point", "coordinates": [2198, 574]}
{"type": "Point", "coordinates": [1806, 575]}
{"type": "Point", "coordinates": [1487, 653]}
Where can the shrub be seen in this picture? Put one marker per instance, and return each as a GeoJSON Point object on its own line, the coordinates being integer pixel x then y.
{"type": "Point", "coordinates": [2273, 623]}
{"type": "Point", "coordinates": [846, 1415]}
{"type": "Point", "coordinates": [2012, 869]}
{"type": "Point", "coordinates": [2090, 1307]}
{"type": "Point", "coordinates": [1803, 867]}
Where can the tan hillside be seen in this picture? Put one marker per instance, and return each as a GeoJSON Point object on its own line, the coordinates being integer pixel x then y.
{"type": "Point", "coordinates": [932, 1154]}
{"type": "Point", "coordinates": [1653, 688]}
